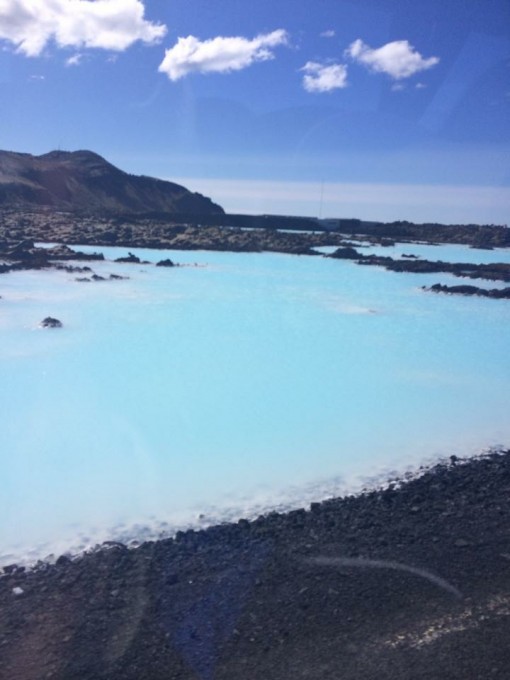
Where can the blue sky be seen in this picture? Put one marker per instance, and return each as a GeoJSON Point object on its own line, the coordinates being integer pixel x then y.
{"type": "Point", "coordinates": [380, 109]}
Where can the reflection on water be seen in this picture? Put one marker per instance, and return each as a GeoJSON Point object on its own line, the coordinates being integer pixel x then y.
{"type": "Point", "coordinates": [224, 389]}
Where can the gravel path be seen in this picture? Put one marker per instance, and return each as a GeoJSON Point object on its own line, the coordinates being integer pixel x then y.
{"type": "Point", "coordinates": [410, 582]}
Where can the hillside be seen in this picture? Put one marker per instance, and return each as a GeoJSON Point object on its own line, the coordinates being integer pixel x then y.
{"type": "Point", "coordinates": [84, 181]}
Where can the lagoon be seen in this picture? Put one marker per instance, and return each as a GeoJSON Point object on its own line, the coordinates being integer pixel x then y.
{"type": "Point", "coordinates": [195, 394]}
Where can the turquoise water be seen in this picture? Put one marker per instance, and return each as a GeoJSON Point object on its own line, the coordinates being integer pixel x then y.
{"type": "Point", "coordinates": [445, 252]}
{"type": "Point", "coordinates": [201, 393]}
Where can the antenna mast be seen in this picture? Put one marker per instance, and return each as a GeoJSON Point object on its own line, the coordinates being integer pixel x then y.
{"type": "Point", "coordinates": [322, 197]}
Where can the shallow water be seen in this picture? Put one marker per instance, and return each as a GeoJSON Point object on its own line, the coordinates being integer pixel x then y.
{"type": "Point", "coordinates": [249, 381]}
{"type": "Point", "coordinates": [445, 252]}
{"type": "Point", "coordinates": [425, 251]}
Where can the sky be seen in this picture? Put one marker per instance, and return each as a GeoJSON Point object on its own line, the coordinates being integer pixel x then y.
{"type": "Point", "coordinates": [377, 109]}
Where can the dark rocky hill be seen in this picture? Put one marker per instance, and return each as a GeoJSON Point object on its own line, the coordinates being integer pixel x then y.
{"type": "Point", "coordinates": [84, 181]}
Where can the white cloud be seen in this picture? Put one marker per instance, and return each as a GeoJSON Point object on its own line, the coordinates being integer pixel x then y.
{"type": "Point", "coordinates": [219, 55]}
{"type": "Point", "coordinates": [397, 59]}
{"type": "Point", "coordinates": [324, 78]}
{"type": "Point", "coordinates": [327, 34]}
{"type": "Point", "coordinates": [106, 24]}
{"type": "Point", "coordinates": [74, 60]}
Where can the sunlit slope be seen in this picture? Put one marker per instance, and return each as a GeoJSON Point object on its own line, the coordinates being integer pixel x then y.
{"type": "Point", "coordinates": [83, 180]}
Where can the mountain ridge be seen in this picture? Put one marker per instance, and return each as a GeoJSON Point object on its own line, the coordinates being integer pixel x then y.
{"type": "Point", "coordinates": [83, 180]}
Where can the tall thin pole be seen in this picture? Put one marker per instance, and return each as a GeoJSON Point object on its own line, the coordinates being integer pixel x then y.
{"type": "Point", "coordinates": [322, 197]}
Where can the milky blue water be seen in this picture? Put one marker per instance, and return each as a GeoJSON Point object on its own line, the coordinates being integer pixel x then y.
{"type": "Point", "coordinates": [208, 392]}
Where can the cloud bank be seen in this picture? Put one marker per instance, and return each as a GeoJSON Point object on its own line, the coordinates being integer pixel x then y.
{"type": "Point", "coordinates": [397, 59]}
{"type": "Point", "coordinates": [220, 54]}
{"type": "Point", "coordinates": [105, 24]}
{"type": "Point", "coordinates": [324, 78]}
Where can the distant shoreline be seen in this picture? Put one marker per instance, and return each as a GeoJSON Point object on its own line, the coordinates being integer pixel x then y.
{"type": "Point", "coordinates": [20, 229]}
{"type": "Point", "coordinates": [119, 227]}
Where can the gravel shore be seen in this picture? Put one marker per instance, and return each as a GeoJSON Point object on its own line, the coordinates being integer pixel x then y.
{"type": "Point", "coordinates": [409, 582]}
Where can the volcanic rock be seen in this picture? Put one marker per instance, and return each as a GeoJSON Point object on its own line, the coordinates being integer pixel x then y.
{"type": "Point", "coordinates": [348, 253]}
{"type": "Point", "coordinates": [130, 258]}
{"type": "Point", "coordinates": [50, 322]}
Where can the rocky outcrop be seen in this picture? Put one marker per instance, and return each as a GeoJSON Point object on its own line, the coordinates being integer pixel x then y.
{"type": "Point", "coordinates": [129, 259]}
{"type": "Point", "coordinates": [84, 181]}
{"type": "Point", "coordinates": [26, 255]}
{"type": "Point", "coordinates": [496, 293]}
{"type": "Point", "coordinates": [498, 271]}
{"type": "Point", "coordinates": [478, 236]}
{"type": "Point", "coordinates": [50, 322]}
{"type": "Point", "coordinates": [348, 253]}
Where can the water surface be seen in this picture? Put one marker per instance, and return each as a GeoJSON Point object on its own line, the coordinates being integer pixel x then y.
{"type": "Point", "coordinates": [232, 386]}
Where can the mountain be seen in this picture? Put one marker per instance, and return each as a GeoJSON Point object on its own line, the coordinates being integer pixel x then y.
{"type": "Point", "coordinates": [84, 181]}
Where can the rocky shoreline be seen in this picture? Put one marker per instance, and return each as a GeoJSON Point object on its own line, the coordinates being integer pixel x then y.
{"type": "Point", "coordinates": [156, 234]}
{"type": "Point", "coordinates": [19, 230]}
{"type": "Point", "coordinates": [499, 271]}
{"type": "Point", "coordinates": [408, 582]}
{"type": "Point", "coordinates": [495, 293]}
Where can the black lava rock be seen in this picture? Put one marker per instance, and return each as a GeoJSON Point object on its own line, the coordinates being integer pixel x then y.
{"type": "Point", "coordinates": [50, 322]}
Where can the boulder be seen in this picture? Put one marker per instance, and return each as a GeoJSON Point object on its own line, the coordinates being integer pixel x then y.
{"type": "Point", "coordinates": [50, 322]}
{"type": "Point", "coordinates": [22, 248]}
{"type": "Point", "coordinates": [133, 259]}
{"type": "Point", "coordinates": [348, 253]}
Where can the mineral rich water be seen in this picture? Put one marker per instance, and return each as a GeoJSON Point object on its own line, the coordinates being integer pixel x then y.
{"type": "Point", "coordinates": [229, 385]}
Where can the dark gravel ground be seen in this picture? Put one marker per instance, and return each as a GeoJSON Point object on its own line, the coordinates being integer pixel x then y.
{"type": "Point", "coordinates": [408, 583]}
